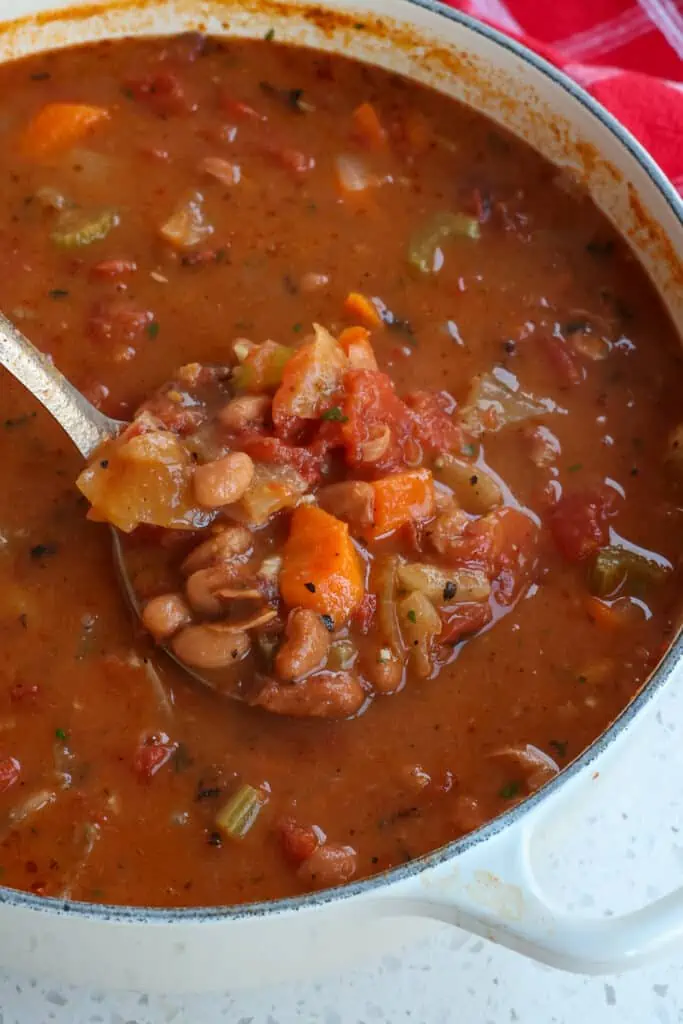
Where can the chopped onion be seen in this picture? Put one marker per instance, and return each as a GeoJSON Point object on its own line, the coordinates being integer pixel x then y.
{"type": "Point", "coordinates": [51, 198]}
{"type": "Point", "coordinates": [493, 404]}
{"type": "Point", "coordinates": [161, 695]}
{"type": "Point", "coordinates": [272, 488]}
{"type": "Point", "coordinates": [34, 803]}
{"type": "Point", "coordinates": [270, 567]}
{"type": "Point", "coordinates": [84, 840]}
{"type": "Point", "coordinates": [187, 226]}
{"type": "Point", "coordinates": [353, 174]}
{"type": "Point", "coordinates": [224, 171]}
{"type": "Point", "coordinates": [536, 766]}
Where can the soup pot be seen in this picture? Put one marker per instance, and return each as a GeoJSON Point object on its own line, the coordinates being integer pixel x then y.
{"type": "Point", "coordinates": [483, 883]}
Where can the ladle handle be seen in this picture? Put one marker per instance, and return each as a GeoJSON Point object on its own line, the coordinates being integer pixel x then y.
{"type": "Point", "coordinates": [85, 425]}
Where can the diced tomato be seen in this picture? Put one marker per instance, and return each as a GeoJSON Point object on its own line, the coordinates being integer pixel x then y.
{"type": "Point", "coordinates": [272, 449]}
{"type": "Point", "coordinates": [298, 842]}
{"type": "Point", "coordinates": [434, 428]}
{"type": "Point", "coordinates": [578, 522]}
{"type": "Point", "coordinates": [475, 546]}
{"type": "Point", "coordinates": [10, 769]}
{"type": "Point", "coordinates": [463, 619]}
{"type": "Point", "coordinates": [113, 268]}
{"type": "Point", "coordinates": [363, 616]}
{"type": "Point", "coordinates": [371, 405]}
{"type": "Point", "coordinates": [21, 692]}
{"type": "Point", "coordinates": [560, 357]}
{"type": "Point", "coordinates": [162, 91]}
{"type": "Point", "coordinates": [152, 754]}
{"type": "Point", "coordinates": [238, 109]}
{"type": "Point", "coordinates": [503, 544]}
{"type": "Point", "coordinates": [118, 321]}
{"type": "Point", "coordinates": [514, 552]}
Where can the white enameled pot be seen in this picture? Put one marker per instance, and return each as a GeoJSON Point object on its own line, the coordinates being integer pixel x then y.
{"type": "Point", "coordinates": [484, 883]}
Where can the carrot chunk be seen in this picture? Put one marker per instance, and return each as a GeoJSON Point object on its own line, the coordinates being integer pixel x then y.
{"type": "Point", "coordinates": [321, 569]}
{"type": "Point", "coordinates": [57, 126]}
{"type": "Point", "coordinates": [367, 126]}
{"type": "Point", "coordinates": [355, 341]}
{"type": "Point", "coordinates": [402, 498]}
{"type": "Point", "coordinates": [359, 307]}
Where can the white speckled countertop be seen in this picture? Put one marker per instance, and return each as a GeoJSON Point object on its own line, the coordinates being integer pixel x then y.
{"type": "Point", "coordinates": [626, 847]}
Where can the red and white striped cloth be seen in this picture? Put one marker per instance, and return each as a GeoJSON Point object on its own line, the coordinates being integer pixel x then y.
{"type": "Point", "coordinates": [627, 53]}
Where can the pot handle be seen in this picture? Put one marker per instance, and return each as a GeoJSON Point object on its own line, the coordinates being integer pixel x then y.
{"type": "Point", "coordinates": [491, 891]}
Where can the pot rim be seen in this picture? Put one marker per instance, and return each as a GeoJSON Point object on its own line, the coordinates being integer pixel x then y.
{"type": "Point", "coordinates": [411, 870]}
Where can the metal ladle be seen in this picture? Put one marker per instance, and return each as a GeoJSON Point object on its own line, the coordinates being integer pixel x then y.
{"type": "Point", "coordinates": [85, 425]}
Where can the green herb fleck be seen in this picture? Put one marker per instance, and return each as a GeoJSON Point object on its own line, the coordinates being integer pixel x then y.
{"type": "Point", "coordinates": [310, 587]}
{"type": "Point", "coordinates": [598, 248]}
{"type": "Point", "coordinates": [270, 35]}
{"type": "Point", "coordinates": [61, 735]}
{"type": "Point", "coordinates": [43, 550]}
{"type": "Point", "coordinates": [18, 421]}
{"type": "Point", "coordinates": [509, 790]}
{"type": "Point", "coordinates": [359, 26]}
{"type": "Point", "coordinates": [58, 293]}
{"type": "Point", "coordinates": [152, 329]}
{"type": "Point", "coordinates": [449, 590]}
{"type": "Point", "coordinates": [575, 467]}
{"type": "Point", "coordinates": [40, 76]}
{"type": "Point", "coordinates": [412, 617]}
{"type": "Point", "coordinates": [297, 327]}
{"type": "Point", "coordinates": [335, 415]}
{"type": "Point", "coordinates": [469, 449]}
{"type": "Point", "coordinates": [582, 679]}
{"type": "Point", "coordinates": [328, 623]}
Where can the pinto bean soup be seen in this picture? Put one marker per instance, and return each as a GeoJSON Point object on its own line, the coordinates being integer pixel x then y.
{"type": "Point", "coordinates": [402, 479]}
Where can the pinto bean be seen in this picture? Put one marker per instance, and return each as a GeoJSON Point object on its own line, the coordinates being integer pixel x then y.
{"type": "Point", "coordinates": [223, 481]}
{"type": "Point", "coordinates": [324, 695]}
{"type": "Point", "coordinates": [245, 412]}
{"type": "Point", "coordinates": [164, 615]}
{"type": "Point", "coordinates": [351, 500]}
{"type": "Point", "coordinates": [329, 865]}
{"type": "Point", "coordinates": [384, 671]}
{"type": "Point", "coordinates": [221, 547]}
{"type": "Point", "coordinates": [307, 642]}
{"type": "Point", "coordinates": [207, 648]}
{"type": "Point", "coordinates": [475, 489]}
{"type": "Point", "coordinates": [201, 588]}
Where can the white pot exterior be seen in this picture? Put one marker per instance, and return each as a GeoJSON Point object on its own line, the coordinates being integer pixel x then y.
{"type": "Point", "coordinates": [483, 884]}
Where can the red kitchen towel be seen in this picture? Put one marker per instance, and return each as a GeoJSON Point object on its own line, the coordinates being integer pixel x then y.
{"type": "Point", "coordinates": [627, 53]}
